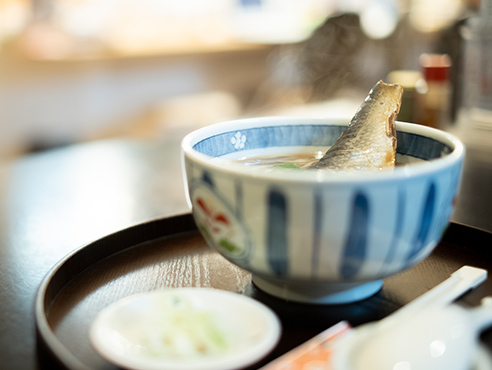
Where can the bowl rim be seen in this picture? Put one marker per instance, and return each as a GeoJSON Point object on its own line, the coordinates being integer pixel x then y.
{"type": "Point", "coordinates": [399, 173]}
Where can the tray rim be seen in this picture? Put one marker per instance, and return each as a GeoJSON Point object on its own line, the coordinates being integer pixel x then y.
{"type": "Point", "coordinates": [44, 331]}
{"type": "Point", "coordinates": [47, 336]}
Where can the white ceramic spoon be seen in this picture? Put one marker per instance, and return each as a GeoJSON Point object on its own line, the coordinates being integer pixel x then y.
{"type": "Point", "coordinates": [426, 334]}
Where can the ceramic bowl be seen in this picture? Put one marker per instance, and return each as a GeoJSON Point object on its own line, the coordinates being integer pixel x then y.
{"type": "Point", "coordinates": [319, 236]}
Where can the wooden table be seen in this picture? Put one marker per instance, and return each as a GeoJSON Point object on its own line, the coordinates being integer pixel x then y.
{"type": "Point", "coordinates": [53, 202]}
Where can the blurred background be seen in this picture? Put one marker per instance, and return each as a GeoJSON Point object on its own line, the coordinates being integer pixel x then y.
{"type": "Point", "coordinates": [73, 71]}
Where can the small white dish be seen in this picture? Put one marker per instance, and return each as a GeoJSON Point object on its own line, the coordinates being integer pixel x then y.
{"type": "Point", "coordinates": [185, 328]}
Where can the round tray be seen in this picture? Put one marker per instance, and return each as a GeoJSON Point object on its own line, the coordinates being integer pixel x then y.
{"type": "Point", "coordinates": [170, 252]}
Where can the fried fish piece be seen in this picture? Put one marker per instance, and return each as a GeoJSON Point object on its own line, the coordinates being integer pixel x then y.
{"type": "Point", "coordinates": [369, 142]}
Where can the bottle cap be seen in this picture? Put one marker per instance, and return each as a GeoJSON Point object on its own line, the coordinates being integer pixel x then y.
{"type": "Point", "coordinates": [435, 67]}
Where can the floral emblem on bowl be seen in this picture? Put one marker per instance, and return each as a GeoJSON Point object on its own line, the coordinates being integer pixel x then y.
{"type": "Point", "coordinates": [238, 140]}
{"type": "Point", "coordinates": [218, 223]}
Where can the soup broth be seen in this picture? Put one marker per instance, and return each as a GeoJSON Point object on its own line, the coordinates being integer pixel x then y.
{"type": "Point", "coordinates": [287, 160]}
{"type": "Point", "coordinates": [295, 160]}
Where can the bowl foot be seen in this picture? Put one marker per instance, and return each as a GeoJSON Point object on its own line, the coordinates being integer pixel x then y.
{"type": "Point", "coordinates": [318, 293]}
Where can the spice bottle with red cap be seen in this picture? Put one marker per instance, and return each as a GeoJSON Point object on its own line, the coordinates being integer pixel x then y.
{"type": "Point", "coordinates": [435, 105]}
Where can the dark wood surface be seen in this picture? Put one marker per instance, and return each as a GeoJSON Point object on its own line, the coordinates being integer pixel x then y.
{"type": "Point", "coordinates": [54, 202]}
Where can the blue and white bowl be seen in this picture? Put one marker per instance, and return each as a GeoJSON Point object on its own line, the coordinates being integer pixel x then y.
{"type": "Point", "coordinates": [319, 236]}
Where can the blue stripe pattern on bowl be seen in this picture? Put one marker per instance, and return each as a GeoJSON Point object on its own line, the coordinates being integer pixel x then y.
{"type": "Point", "coordinates": [426, 211]}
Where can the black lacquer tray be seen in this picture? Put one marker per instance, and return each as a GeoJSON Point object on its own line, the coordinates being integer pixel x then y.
{"type": "Point", "coordinates": [170, 252]}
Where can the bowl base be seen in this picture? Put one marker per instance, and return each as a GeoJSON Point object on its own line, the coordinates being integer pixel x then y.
{"type": "Point", "coordinates": [318, 293]}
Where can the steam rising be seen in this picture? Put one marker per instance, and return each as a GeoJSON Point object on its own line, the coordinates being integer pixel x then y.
{"type": "Point", "coordinates": [341, 58]}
